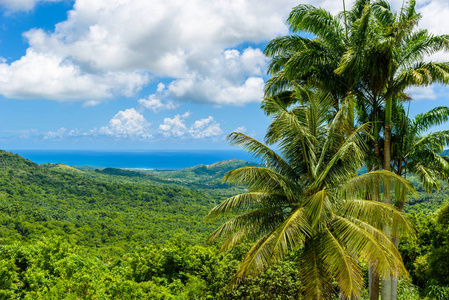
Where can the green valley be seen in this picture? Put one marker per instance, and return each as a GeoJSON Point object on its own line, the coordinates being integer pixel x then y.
{"type": "Point", "coordinates": [90, 233]}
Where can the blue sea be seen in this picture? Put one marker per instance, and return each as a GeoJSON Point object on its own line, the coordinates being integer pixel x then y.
{"type": "Point", "coordinates": [144, 159]}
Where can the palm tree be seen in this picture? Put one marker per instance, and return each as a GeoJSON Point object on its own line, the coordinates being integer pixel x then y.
{"type": "Point", "coordinates": [415, 152]}
{"type": "Point", "coordinates": [368, 53]}
{"type": "Point", "coordinates": [308, 198]}
{"type": "Point", "coordinates": [395, 61]}
{"type": "Point", "coordinates": [298, 61]}
{"type": "Point", "coordinates": [418, 152]}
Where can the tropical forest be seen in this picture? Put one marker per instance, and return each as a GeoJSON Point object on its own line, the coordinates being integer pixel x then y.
{"type": "Point", "coordinates": [346, 196]}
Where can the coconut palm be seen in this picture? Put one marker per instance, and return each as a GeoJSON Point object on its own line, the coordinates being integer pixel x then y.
{"type": "Point", "coordinates": [395, 61]}
{"type": "Point", "coordinates": [369, 53]}
{"type": "Point", "coordinates": [298, 61]}
{"type": "Point", "coordinates": [308, 198]}
{"type": "Point", "coordinates": [418, 152]}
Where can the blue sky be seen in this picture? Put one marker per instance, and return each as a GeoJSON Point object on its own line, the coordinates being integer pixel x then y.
{"type": "Point", "coordinates": [158, 74]}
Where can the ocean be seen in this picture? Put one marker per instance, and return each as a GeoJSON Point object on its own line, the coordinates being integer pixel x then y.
{"type": "Point", "coordinates": [138, 159]}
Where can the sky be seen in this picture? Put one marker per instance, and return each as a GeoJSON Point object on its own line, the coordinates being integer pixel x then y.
{"type": "Point", "coordinates": [154, 74]}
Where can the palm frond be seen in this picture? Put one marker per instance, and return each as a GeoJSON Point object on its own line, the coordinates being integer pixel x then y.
{"type": "Point", "coordinates": [244, 202]}
{"type": "Point", "coordinates": [352, 188]}
{"type": "Point", "coordinates": [270, 158]}
{"type": "Point", "coordinates": [307, 18]}
{"type": "Point", "coordinates": [341, 265]}
{"type": "Point", "coordinates": [259, 179]}
{"type": "Point", "coordinates": [433, 117]}
{"type": "Point", "coordinates": [378, 214]}
{"type": "Point", "coordinates": [317, 282]}
{"type": "Point", "coordinates": [251, 224]}
{"type": "Point", "coordinates": [371, 245]}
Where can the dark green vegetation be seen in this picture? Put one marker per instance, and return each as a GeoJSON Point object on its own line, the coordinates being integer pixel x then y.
{"type": "Point", "coordinates": [71, 234]}
{"type": "Point", "coordinates": [36, 200]}
{"type": "Point", "coordinates": [206, 178]}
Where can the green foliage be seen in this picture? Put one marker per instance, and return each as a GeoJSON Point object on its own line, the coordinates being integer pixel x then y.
{"type": "Point", "coordinates": [307, 198]}
{"type": "Point", "coordinates": [38, 201]}
{"type": "Point", "coordinates": [53, 269]}
{"type": "Point", "coordinates": [427, 257]}
{"type": "Point", "coordinates": [279, 282]}
{"type": "Point", "coordinates": [71, 234]}
{"type": "Point", "coordinates": [206, 178]}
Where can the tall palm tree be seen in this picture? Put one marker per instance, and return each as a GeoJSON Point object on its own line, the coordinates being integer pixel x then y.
{"type": "Point", "coordinates": [308, 198]}
{"type": "Point", "coordinates": [298, 61]}
{"type": "Point", "coordinates": [368, 53]}
{"type": "Point", "coordinates": [418, 152]}
{"type": "Point", "coordinates": [395, 61]}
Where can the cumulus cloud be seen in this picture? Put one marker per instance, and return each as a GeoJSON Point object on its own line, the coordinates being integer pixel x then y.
{"type": "Point", "coordinates": [111, 48]}
{"type": "Point", "coordinates": [155, 103]}
{"type": "Point", "coordinates": [200, 129]}
{"type": "Point", "coordinates": [111, 44]}
{"type": "Point", "coordinates": [22, 5]}
{"type": "Point", "coordinates": [58, 134]}
{"type": "Point", "coordinates": [234, 78]}
{"type": "Point", "coordinates": [174, 127]}
{"type": "Point", "coordinates": [205, 128]}
{"type": "Point", "coordinates": [127, 124]}
{"type": "Point", "coordinates": [164, 36]}
{"type": "Point", "coordinates": [422, 93]}
{"type": "Point", "coordinates": [50, 76]}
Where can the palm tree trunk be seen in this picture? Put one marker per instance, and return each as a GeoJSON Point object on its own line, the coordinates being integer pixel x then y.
{"type": "Point", "coordinates": [386, 282]}
{"type": "Point", "coordinates": [394, 281]}
{"type": "Point", "coordinates": [373, 278]}
{"type": "Point", "coordinates": [399, 204]}
{"type": "Point", "coordinates": [387, 135]}
{"type": "Point", "coordinates": [373, 284]}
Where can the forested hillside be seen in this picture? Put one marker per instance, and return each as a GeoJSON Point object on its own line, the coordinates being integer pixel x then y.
{"type": "Point", "coordinates": [68, 233]}
{"type": "Point", "coordinates": [113, 234]}
{"type": "Point", "coordinates": [38, 200]}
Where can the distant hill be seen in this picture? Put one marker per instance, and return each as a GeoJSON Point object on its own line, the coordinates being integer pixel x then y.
{"type": "Point", "coordinates": [213, 173]}
{"type": "Point", "coordinates": [47, 200]}
{"type": "Point", "coordinates": [202, 177]}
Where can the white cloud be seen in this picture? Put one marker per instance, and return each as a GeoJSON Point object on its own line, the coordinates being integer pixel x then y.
{"type": "Point", "coordinates": [200, 129]}
{"type": "Point", "coordinates": [234, 78]}
{"type": "Point", "coordinates": [175, 127]}
{"type": "Point", "coordinates": [58, 134]}
{"type": "Point", "coordinates": [22, 5]}
{"type": "Point", "coordinates": [189, 41]}
{"type": "Point", "coordinates": [241, 129]}
{"type": "Point", "coordinates": [164, 36]}
{"type": "Point", "coordinates": [131, 125]}
{"type": "Point", "coordinates": [109, 48]}
{"type": "Point", "coordinates": [49, 76]}
{"type": "Point", "coordinates": [205, 128]}
{"type": "Point", "coordinates": [422, 93]}
{"type": "Point", "coordinates": [155, 104]}
{"type": "Point", "coordinates": [127, 124]}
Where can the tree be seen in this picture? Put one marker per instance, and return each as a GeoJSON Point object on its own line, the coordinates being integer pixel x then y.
{"type": "Point", "coordinates": [298, 61]}
{"type": "Point", "coordinates": [400, 50]}
{"type": "Point", "coordinates": [308, 198]}
{"type": "Point", "coordinates": [368, 53]}
{"type": "Point", "coordinates": [418, 152]}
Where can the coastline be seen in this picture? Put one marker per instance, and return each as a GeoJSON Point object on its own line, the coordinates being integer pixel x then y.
{"type": "Point", "coordinates": [133, 159]}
